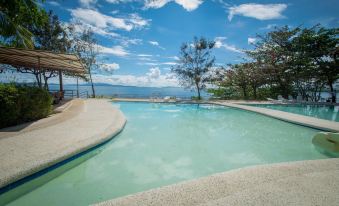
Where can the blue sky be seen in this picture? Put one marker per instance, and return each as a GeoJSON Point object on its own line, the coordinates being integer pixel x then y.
{"type": "Point", "coordinates": [140, 40]}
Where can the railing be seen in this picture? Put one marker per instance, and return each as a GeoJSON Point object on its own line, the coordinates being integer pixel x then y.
{"type": "Point", "coordinates": [83, 94]}
{"type": "Point", "coordinates": [70, 94]}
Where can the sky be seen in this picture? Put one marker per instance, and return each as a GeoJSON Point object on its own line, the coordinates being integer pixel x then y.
{"type": "Point", "coordinates": [139, 40]}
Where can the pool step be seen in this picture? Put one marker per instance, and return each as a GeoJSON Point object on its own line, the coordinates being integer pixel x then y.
{"type": "Point", "coordinates": [327, 142]}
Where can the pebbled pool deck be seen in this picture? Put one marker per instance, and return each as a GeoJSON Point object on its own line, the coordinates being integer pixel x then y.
{"type": "Point", "coordinates": [313, 182]}
{"type": "Point", "coordinates": [321, 124]}
{"type": "Point", "coordinates": [83, 124]}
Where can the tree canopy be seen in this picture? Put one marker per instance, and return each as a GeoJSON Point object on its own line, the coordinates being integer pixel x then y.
{"type": "Point", "coordinates": [195, 63]}
{"type": "Point", "coordinates": [291, 62]}
{"type": "Point", "coordinates": [15, 18]}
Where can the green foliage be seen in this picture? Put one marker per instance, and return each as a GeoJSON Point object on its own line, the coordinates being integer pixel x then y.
{"type": "Point", "coordinates": [285, 61]}
{"type": "Point", "coordinates": [194, 64]}
{"type": "Point", "coordinates": [20, 104]}
{"type": "Point", "coordinates": [225, 93]}
{"type": "Point", "coordinates": [15, 18]}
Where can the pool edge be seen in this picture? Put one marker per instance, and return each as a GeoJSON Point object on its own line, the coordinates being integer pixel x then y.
{"type": "Point", "coordinates": [26, 175]}
{"type": "Point", "coordinates": [315, 123]}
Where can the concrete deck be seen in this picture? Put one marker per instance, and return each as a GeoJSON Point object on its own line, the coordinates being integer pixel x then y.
{"type": "Point", "coordinates": [313, 182]}
{"type": "Point", "coordinates": [321, 124]}
{"type": "Point", "coordinates": [25, 150]}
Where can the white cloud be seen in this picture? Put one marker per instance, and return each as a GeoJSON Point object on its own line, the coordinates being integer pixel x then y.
{"type": "Point", "coordinates": [53, 3]}
{"type": "Point", "coordinates": [154, 73]}
{"type": "Point", "coordinates": [87, 3]}
{"type": "Point", "coordinates": [145, 55]}
{"type": "Point", "coordinates": [251, 40]}
{"type": "Point", "coordinates": [169, 63]}
{"type": "Point", "coordinates": [161, 80]}
{"type": "Point", "coordinates": [174, 58]}
{"type": "Point", "coordinates": [126, 41]}
{"type": "Point", "coordinates": [269, 26]}
{"type": "Point", "coordinates": [152, 78]}
{"type": "Point", "coordinates": [155, 4]}
{"type": "Point", "coordinates": [189, 5]}
{"type": "Point", "coordinates": [115, 50]}
{"type": "Point", "coordinates": [146, 59]}
{"type": "Point", "coordinates": [138, 21]}
{"type": "Point", "coordinates": [119, 1]}
{"type": "Point", "coordinates": [110, 67]}
{"type": "Point", "coordinates": [80, 27]}
{"type": "Point", "coordinates": [148, 63]}
{"type": "Point", "coordinates": [107, 23]}
{"type": "Point", "coordinates": [219, 43]}
{"type": "Point", "coordinates": [258, 11]}
{"type": "Point", "coordinates": [155, 43]}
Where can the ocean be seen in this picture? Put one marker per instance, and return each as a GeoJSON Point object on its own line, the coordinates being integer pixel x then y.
{"type": "Point", "coordinates": [132, 91]}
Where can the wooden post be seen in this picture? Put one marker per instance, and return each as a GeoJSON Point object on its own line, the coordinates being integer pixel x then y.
{"type": "Point", "coordinates": [39, 68]}
{"type": "Point", "coordinates": [77, 87]}
{"type": "Point", "coordinates": [61, 85]}
{"type": "Point", "coordinates": [60, 81]}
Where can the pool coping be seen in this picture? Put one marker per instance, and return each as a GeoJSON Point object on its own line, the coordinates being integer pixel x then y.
{"type": "Point", "coordinates": [303, 120]}
{"type": "Point", "coordinates": [25, 173]}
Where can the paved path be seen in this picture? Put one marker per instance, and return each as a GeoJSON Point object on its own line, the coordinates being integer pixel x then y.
{"type": "Point", "coordinates": [314, 182]}
{"type": "Point", "coordinates": [46, 142]}
{"type": "Point", "coordinates": [321, 124]}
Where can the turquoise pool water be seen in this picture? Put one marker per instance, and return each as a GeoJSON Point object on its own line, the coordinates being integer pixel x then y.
{"type": "Point", "coordinates": [166, 143]}
{"type": "Point", "coordinates": [323, 112]}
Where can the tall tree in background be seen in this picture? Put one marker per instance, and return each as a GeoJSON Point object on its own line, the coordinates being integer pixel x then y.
{"type": "Point", "coordinates": [274, 50]}
{"type": "Point", "coordinates": [194, 64]}
{"type": "Point", "coordinates": [15, 18]}
{"type": "Point", "coordinates": [87, 49]}
{"type": "Point", "coordinates": [256, 76]}
{"type": "Point", "coordinates": [324, 50]}
{"type": "Point", "coordinates": [238, 76]}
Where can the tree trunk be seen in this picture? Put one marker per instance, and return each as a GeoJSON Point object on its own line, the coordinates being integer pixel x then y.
{"type": "Point", "coordinates": [38, 80]}
{"type": "Point", "coordinates": [254, 92]}
{"type": "Point", "coordinates": [46, 82]}
{"type": "Point", "coordinates": [198, 89]}
{"type": "Point", "coordinates": [244, 90]}
{"type": "Point", "coordinates": [332, 91]}
{"type": "Point", "coordinates": [90, 77]}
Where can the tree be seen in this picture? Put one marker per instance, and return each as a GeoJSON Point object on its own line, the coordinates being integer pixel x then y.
{"type": "Point", "coordinates": [15, 17]}
{"type": "Point", "coordinates": [325, 52]}
{"type": "Point", "coordinates": [51, 36]}
{"type": "Point", "coordinates": [194, 64]}
{"type": "Point", "coordinates": [274, 52]}
{"type": "Point", "coordinates": [256, 76]}
{"type": "Point", "coordinates": [238, 76]}
{"type": "Point", "coordinates": [87, 49]}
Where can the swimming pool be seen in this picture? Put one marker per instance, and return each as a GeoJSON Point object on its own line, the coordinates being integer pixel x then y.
{"type": "Point", "coordinates": [319, 111]}
{"type": "Point", "coordinates": [167, 143]}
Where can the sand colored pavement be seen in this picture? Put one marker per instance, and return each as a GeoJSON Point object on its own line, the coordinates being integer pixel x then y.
{"type": "Point", "coordinates": [81, 126]}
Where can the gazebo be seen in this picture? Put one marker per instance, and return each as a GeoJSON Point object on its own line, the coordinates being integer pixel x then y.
{"type": "Point", "coordinates": [42, 60]}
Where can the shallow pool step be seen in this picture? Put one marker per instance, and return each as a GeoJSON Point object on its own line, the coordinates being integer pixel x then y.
{"type": "Point", "coordinates": [327, 142]}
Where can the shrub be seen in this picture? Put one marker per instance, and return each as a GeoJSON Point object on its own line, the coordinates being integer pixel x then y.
{"type": "Point", "coordinates": [20, 104]}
